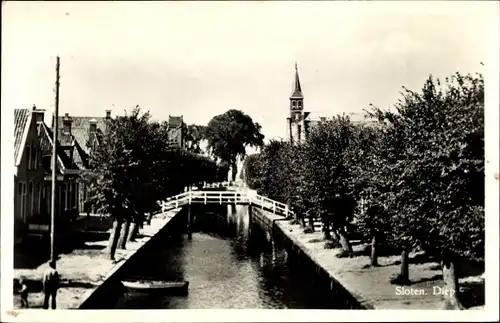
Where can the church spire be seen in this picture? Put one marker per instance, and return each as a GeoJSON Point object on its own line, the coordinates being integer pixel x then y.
{"type": "Point", "coordinates": [297, 91]}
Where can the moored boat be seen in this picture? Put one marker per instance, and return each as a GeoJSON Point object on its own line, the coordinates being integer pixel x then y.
{"type": "Point", "coordinates": [156, 285]}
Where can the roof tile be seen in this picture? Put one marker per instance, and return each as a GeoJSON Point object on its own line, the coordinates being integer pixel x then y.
{"type": "Point", "coordinates": [21, 117]}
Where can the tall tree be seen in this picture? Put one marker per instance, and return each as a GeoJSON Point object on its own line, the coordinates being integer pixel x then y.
{"type": "Point", "coordinates": [117, 169]}
{"type": "Point", "coordinates": [330, 187]}
{"type": "Point", "coordinates": [229, 134]}
{"type": "Point", "coordinates": [437, 193]}
{"type": "Point", "coordinates": [368, 154]}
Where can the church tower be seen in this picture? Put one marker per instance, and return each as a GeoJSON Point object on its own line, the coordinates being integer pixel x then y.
{"type": "Point", "coordinates": [296, 124]}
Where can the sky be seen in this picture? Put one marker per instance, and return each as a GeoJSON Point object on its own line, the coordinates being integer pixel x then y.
{"type": "Point", "coordinates": [200, 59]}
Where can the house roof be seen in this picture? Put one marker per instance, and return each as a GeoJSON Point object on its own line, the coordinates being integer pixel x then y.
{"type": "Point", "coordinates": [174, 122]}
{"type": "Point", "coordinates": [22, 118]}
{"type": "Point", "coordinates": [80, 130]}
{"type": "Point", "coordinates": [63, 155]}
{"type": "Point", "coordinates": [356, 118]}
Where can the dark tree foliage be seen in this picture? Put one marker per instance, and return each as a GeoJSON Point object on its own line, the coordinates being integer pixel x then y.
{"type": "Point", "coordinates": [134, 167]}
{"type": "Point", "coordinates": [436, 198]}
{"type": "Point", "coordinates": [252, 171]}
{"type": "Point", "coordinates": [229, 134]}
{"type": "Point", "coordinates": [438, 189]}
{"type": "Point", "coordinates": [194, 135]}
{"type": "Point", "coordinates": [222, 171]}
{"type": "Point", "coordinates": [331, 182]}
{"type": "Point", "coordinates": [414, 180]}
{"type": "Point", "coordinates": [368, 155]}
{"type": "Point", "coordinates": [274, 176]}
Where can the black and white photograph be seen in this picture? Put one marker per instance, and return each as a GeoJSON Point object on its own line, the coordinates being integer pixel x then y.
{"type": "Point", "coordinates": [265, 160]}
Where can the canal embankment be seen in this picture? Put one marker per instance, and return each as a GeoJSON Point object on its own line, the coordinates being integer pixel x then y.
{"type": "Point", "coordinates": [362, 286]}
{"type": "Point", "coordinates": [229, 264]}
{"type": "Point", "coordinates": [87, 273]}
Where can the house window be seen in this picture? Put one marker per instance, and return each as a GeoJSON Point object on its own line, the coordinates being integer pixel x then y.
{"type": "Point", "coordinates": [28, 154]}
{"type": "Point", "coordinates": [299, 104]}
{"type": "Point", "coordinates": [33, 156]}
{"type": "Point", "coordinates": [65, 192]}
{"type": "Point", "coordinates": [35, 165]}
{"type": "Point", "coordinates": [31, 198]}
{"type": "Point", "coordinates": [294, 103]}
{"type": "Point", "coordinates": [76, 192]}
{"type": "Point", "coordinates": [20, 194]}
{"type": "Point", "coordinates": [23, 200]}
{"type": "Point", "coordinates": [39, 195]}
{"type": "Point", "coordinates": [73, 200]}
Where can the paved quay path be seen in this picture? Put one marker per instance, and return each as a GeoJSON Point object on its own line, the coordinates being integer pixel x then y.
{"type": "Point", "coordinates": [85, 268]}
{"type": "Point", "coordinates": [371, 286]}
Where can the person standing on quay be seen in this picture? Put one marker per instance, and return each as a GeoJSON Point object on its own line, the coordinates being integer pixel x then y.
{"type": "Point", "coordinates": [50, 285]}
{"type": "Point", "coordinates": [23, 291]}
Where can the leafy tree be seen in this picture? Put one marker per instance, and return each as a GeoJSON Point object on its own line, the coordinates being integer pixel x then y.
{"type": "Point", "coordinates": [222, 171]}
{"type": "Point", "coordinates": [368, 155]}
{"type": "Point", "coordinates": [330, 182]}
{"type": "Point", "coordinates": [437, 192]}
{"type": "Point", "coordinates": [278, 172]}
{"type": "Point", "coordinates": [134, 167]}
{"type": "Point", "coordinates": [274, 176]}
{"type": "Point", "coordinates": [116, 174]}
{"type": "Point", "coordinates": [252, 170]}
{"type": "Point", "coordinates": [228, 134]}
{"type": "Point", "coordinates": [194, 135]}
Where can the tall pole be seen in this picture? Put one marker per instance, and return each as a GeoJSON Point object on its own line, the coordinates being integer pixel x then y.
{"type": "Point", "coordinates": [54, 166]}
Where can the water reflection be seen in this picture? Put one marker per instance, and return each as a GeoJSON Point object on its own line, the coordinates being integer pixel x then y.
{"type": "Point", "coordinates": [229, 264]}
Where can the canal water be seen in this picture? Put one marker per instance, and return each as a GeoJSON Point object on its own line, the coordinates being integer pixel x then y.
{"type": "Point", "coordinates": [229, 263]}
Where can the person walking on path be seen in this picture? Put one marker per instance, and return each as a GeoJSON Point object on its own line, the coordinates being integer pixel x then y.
{"type": "Point", "coordinates": [50, 285]}
{"type": "Point", "coordinates": [23, 291]}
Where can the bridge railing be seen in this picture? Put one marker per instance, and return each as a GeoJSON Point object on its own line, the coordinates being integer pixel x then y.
{"type": "Point", "coordinates": [224, 184]}
{"type": "Point", "coordinates": [218, 197]}
{"type": "Point", "coordinates": [276, 207]}
{"type": "Point", "coordinates": [223, 197]}
{"type": "Point", "coordinates": [175, 201]}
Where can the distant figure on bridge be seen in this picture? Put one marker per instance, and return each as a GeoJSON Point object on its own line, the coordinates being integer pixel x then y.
{"type": "Point", "coordinates": [50, 285]}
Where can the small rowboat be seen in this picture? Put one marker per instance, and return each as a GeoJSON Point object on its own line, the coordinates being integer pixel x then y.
{"type": "Point", "coordinates": [157, 285]}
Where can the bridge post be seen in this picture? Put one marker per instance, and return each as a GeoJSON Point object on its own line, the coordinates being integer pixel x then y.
{"type": "Point", "coordinates": [250, 217]}
{"type": "Point", "coordinates": [189, 222]}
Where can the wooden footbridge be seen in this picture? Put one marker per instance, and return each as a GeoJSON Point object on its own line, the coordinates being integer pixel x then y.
{"type": "Point", "coordinates": [235, 195]}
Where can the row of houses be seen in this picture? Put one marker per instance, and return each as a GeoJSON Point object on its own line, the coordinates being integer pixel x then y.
{"type": "Point", "coordinates": [33, 147]}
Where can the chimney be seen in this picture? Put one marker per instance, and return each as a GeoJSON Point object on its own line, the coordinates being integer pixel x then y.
{"type": "Point", "coordinates": [38, 114]}
{"type": "Point", "coordinates": [108, 114]}
{"type": "Point", "coordinates": [67, 121]}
